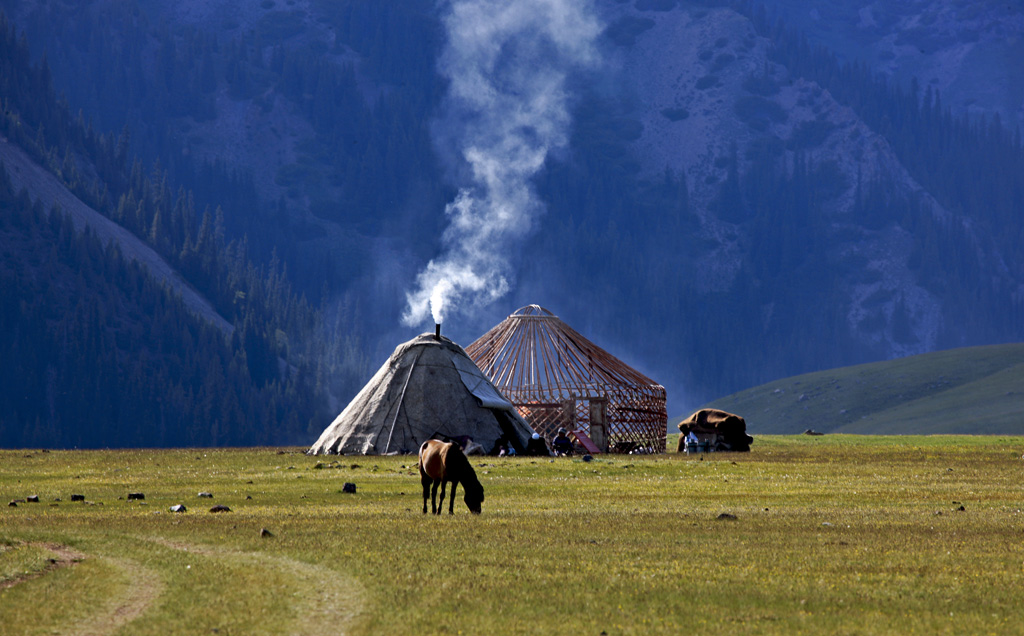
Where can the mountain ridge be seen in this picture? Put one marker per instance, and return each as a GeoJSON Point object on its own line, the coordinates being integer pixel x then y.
{"type": "Point", "coordinates": [745, 214]}
{"type": "Point", "coordinates": [975, 390]}
{"type": "Point", "coordinates": [42, 186]}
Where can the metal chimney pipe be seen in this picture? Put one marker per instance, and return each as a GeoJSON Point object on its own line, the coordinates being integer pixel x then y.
{"type": "Point", "coordinates": [437, 331]}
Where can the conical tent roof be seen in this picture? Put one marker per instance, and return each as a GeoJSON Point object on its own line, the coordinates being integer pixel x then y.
{"type": "Point", "coordinates": [553, 374]}
{"type": "Point", "coordinates": [428, 387]}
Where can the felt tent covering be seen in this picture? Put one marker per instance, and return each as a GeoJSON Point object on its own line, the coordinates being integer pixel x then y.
{"type": "Point", "coordinates": [731, 429]}
{"type": "Point", "coordinates": [428, 388]}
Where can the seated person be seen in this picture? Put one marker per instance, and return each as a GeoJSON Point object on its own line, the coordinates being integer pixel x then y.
{"type": "Point", "coordinates": [561, 445]}
{"type": "Point", "coordinates": [536, 446]}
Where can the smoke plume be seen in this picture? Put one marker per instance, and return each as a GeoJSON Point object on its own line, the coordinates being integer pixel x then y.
{"type": "Point", "coordinates": [507, 107]}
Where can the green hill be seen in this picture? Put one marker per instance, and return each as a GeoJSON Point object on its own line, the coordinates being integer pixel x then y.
{"type": "Point", "coordinates": [971, 390]}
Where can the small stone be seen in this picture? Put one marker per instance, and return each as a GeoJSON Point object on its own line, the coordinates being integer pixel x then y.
{"type": "Point", "coordinates": [220, 508]}
{"type": "Point", "coordinates": [178, 508]}
{"type": "Point", "coordinates": [77, 497]}
{"type": "Point", "coordinates": [349, 487]}
{"type": "Point", "coordinates": [136, 496]}
{"type": "Point", "coordinates": [206, 495]}
{"type": "Point", "coordinates": [266, 533]}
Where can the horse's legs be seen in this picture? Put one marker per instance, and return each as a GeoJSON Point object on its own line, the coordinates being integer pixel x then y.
{"type": "Point", "coordinates": [451, 502]}
{"type": "Point", "coordinates": [433, 499]}
{"type": "Point", "coordinates": [426, 490]}
{"type": "Point", "coordinates": [440, 504]}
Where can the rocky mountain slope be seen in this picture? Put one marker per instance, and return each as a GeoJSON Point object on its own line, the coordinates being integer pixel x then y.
{"type": "Point", "coordinates": [329, 108]}
{"type": "Point", "coordinates": [970, 51]}
{"type": "Point", "coordinates": [42, 186]}
{"type": "Point", "coordinates": [701, 74]}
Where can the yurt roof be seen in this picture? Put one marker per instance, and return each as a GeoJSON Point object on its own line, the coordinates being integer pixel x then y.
{"type": "Point", "coordinates": [534, 350]}
{"type": "Point", "coordinates": [428, 388]}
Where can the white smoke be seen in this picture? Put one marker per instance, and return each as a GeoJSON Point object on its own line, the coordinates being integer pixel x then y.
{"type": "Point", "coordinates": [506, 108]}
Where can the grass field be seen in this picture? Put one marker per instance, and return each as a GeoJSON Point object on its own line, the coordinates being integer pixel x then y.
{"type": "Point", "coordinates": [834, 534]}
{"type": "Point", "coordinates": [972, 390]}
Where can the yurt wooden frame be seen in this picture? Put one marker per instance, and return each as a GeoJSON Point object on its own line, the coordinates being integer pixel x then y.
{"type": "Point", "coordinates": [556, 377]}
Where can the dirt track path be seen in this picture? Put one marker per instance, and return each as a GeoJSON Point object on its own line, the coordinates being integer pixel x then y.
{"type": "Point", "coordinates": [142, 587]}
{"type": "Point", "coordinates": [64, 557]}
{"type": "Point", "coordinates": [327, 602]}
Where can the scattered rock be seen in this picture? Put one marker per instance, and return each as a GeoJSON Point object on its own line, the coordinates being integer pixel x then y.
{"type": "Point", "coordinates": [179, 508]}
{"type": "Point", "coordinates": [32, 499]}
{"type": "Point", "coordinates": [206, 495]}
{"type": "Point", "coordinates": [136, 496]}
{"type": "Point", "coordinates": [266, 533]}
{"type": "Point", "coordinates": [220, 508]}
{"type": "Point", "coordinates": [725, 516]}
{"type": "Point", "coordinates": [77, 497]}
{"type": "Point", "coordinates": [349, 487]}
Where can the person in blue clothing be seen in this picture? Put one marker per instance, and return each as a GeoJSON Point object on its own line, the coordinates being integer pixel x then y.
{"type": "Point", "coordinates": [562, 445]}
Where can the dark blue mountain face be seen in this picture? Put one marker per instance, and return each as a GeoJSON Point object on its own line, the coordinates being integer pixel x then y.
{"type": "Point", "coordinates": [740, 198]}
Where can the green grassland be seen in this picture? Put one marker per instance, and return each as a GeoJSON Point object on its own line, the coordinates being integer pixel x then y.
{"type": "Point", "coordinates": [834, 534]}
{"type": "Point", "coordinates": [973, 390]}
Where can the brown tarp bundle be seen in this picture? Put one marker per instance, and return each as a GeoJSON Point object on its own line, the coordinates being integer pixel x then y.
{"type": "Point", "coordinates": [731, 429]}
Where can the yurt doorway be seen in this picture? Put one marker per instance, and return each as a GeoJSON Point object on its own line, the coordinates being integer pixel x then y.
{"type": "Point", "coordinates": [589, 414]}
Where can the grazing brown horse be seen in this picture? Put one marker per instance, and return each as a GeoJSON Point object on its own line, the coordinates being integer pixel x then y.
{"type": "Point", "coordinates": [441, 462]}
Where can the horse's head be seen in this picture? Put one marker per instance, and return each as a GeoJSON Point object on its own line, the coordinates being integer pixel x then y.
{"type": "Point", "coordinates": [474, 497]}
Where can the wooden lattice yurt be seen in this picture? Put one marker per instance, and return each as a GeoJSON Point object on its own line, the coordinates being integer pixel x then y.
{"type": "Point", "coordinates": [555, 377]}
